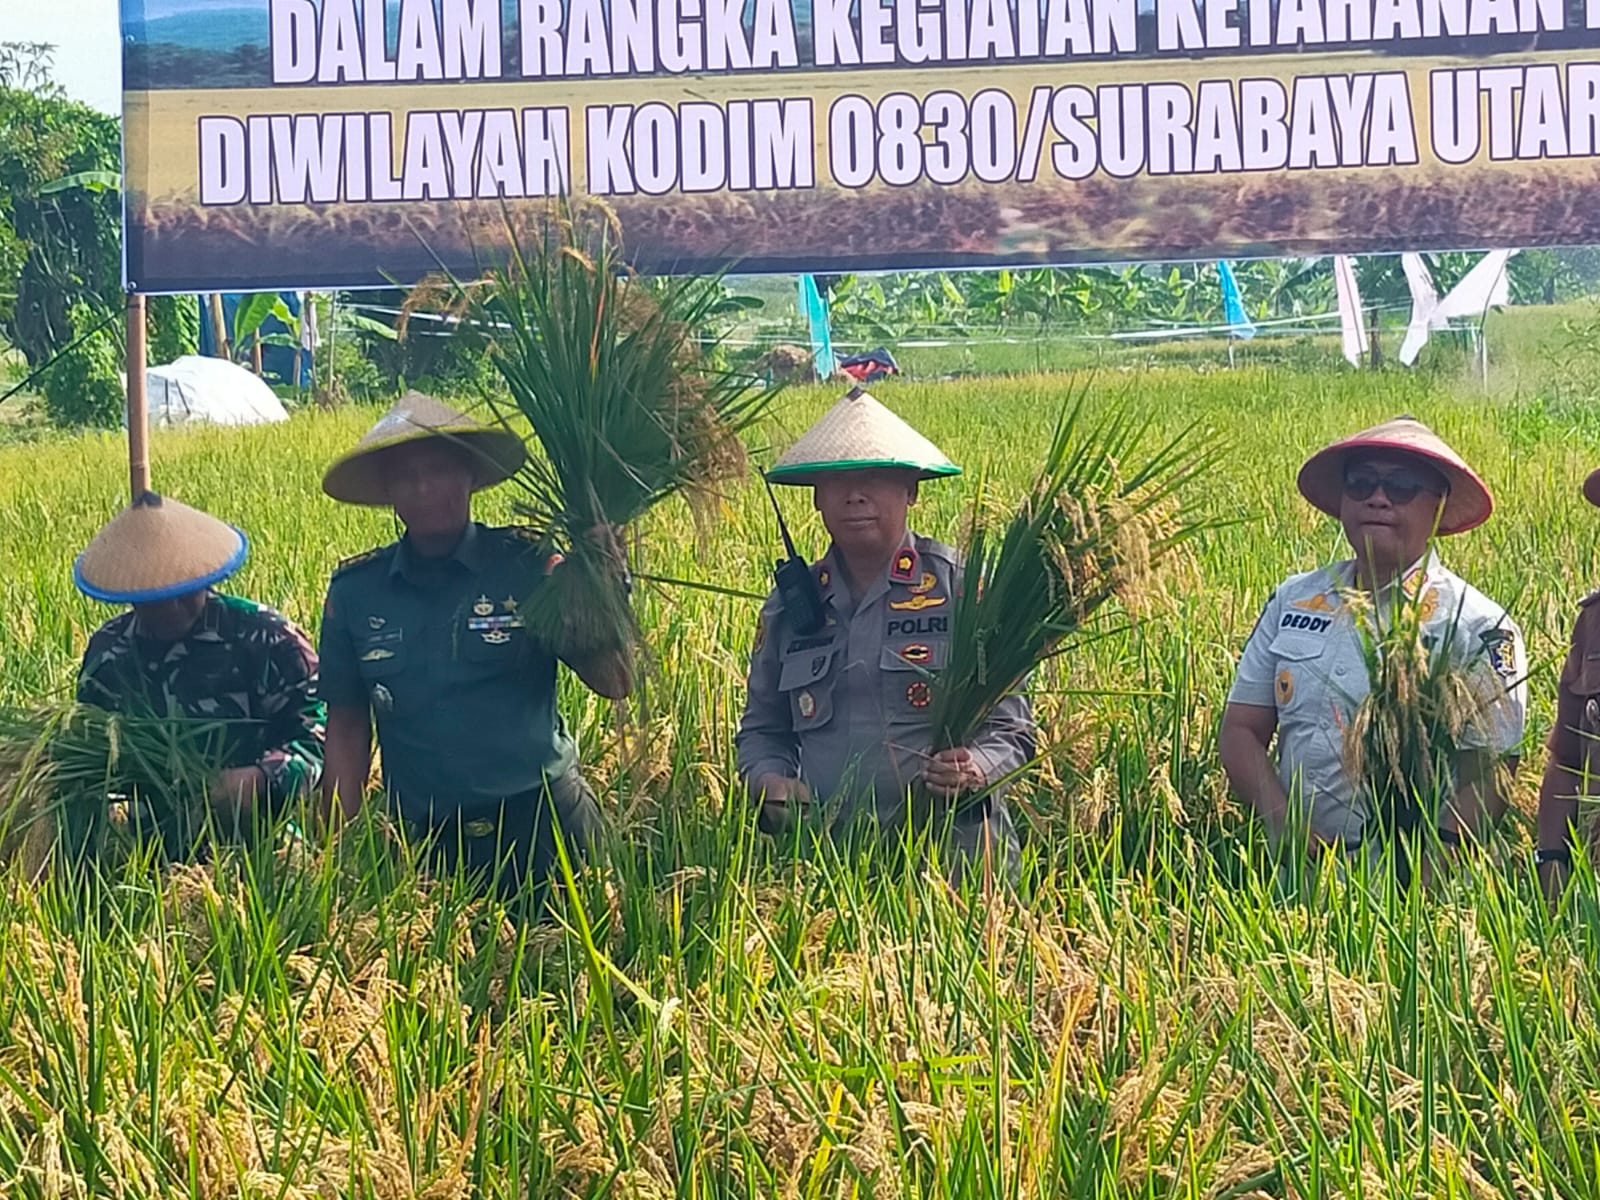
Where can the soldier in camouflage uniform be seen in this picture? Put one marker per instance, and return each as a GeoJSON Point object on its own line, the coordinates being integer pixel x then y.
{"type": "Point", "coordinates": [186, 650]}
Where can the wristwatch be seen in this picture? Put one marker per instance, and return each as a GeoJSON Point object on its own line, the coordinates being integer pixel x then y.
{"type": "Point", "coordinates": [1556, 854]}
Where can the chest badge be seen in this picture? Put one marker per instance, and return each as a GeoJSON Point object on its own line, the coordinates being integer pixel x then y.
{"type": "Point", "coordinates": [925, 584]}
{"type": "Point", "coordinates": [377, 654]}
{"type": "Point", "coordinates": [483, 607]}
{"type": "Point", "coordinates": [916, 652]}
{"type": "Point", "coordinates": [917, 603]}
{"type": "Point", "coordinates": [496, 637]}
{"type": "Point", "coordinates": [1285, 686]}
{"type": "Point", "coordinates": [807, 703]}
{"type": "Point", "coordinates": [919, 694]}
{"type": "Point", "coordinates": [509, 604]}
{"type": "Point", "coordinates": [376, 622]}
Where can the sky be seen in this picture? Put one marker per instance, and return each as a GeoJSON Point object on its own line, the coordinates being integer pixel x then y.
{"type": "Point", "coordinates": [85, 34]}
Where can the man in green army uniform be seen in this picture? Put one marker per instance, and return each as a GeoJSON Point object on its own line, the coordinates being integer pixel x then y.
{"type": "Point", "coordinates": [186, 650]}
{"type": "Point", "coordinates": [839, 715]}
{"type": "Point", "coordinates": [424, 638]}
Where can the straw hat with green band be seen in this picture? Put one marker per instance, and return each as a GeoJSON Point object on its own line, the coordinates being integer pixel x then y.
{"type": "Point", "coordinates": [157, 549]}
{"type": "Point", "coordinates": [357, 477]}
{"type": "Point", "coordinates": [856, 434]}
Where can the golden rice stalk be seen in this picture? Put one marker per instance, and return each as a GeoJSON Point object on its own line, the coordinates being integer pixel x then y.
{"type": "Point", "coordinates": [1090, 529]}
{"type": "Point", "coordinates": [1427, 699]}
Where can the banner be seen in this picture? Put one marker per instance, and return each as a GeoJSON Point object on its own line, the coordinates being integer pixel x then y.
{"type": "Point", "coordinates": [314, 143]}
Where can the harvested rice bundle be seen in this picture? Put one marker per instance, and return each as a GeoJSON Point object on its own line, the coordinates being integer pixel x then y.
{"type": "Point", "coordinates": [607, 370]}
{"type": "Point", "coordinates": [1089, 530]}
{"type": "Point", "coordinates": [61, 765]}
{"type": "Point", "coordinates": [1426, 704]}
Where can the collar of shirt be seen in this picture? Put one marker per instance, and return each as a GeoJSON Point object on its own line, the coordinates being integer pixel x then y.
{"type": "Point", "coordinates": [1418, 574]}
{"type": "Point", "coordinates": [836, 592]}
{"type": "Point", "coordinates": [407, 563]}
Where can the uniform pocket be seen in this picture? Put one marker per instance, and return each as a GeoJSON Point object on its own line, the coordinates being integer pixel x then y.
{"type": "Point", "coordinates": [811, 705]}
{"type": "Point", "coordinates": [908, 682]}
{"type": "Point", "coordinates": [805, 661]}
{"type": "Point", "coordinates": [381, 655]}
{"type": "Point", "coordinates": [1300, 672]}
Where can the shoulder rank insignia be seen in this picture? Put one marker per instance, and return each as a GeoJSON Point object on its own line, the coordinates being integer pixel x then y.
{"type": "Point", "coordinates": [904, 568]}
{"type": "Point", "coordinates": [356, 560]}
{"type": "Point", "coordinates": [1317, 603]}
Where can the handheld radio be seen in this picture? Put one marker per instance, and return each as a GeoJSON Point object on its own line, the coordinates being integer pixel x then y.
{"type": "Point", "coordinates": [797, 586]}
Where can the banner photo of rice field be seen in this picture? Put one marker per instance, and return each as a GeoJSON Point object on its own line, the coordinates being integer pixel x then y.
{"type": "Point", "coordinates": [359, 143]}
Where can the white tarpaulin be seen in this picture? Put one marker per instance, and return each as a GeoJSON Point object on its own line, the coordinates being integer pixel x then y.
{"type": "Point", "coordinates": [195, 390]}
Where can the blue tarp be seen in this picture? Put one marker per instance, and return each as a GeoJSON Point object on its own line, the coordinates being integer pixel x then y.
{"type": "Point", "coordinates": [277, 362]}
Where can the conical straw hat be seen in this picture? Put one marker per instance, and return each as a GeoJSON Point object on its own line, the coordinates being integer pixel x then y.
{"type": "Point", "coordinates": [156, 549]}
{"type": "Point", "coordinates": [357, 477]}
{"type": "Point", "coordinates": [1468, 504]}
{"type": "Point", "coordinates": [855, 434]}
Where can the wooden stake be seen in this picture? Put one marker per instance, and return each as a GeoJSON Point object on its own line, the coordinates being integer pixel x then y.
{"type": "Point", "coordinates": [220, 343]}
{"type": "Point", "coordinates": [138, 409]}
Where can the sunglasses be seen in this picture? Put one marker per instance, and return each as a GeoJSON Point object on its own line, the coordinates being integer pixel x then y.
{"type": "Point", "coordinates": [1400, 486]}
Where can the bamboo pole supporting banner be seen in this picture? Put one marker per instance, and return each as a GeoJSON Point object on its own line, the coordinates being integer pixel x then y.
{"type": "Point", "coordinates": [138, 409]}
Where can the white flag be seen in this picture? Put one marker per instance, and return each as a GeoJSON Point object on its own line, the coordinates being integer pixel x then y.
{"type": "Point", "coordinates": [1424, 307]}
{"type": "Point", "coordinates": [1486, 286]}
{"type": "Point", "coordinates": [1352, 329]}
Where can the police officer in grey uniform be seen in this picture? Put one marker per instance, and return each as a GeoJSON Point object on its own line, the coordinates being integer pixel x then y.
{"type": "Point", "coordinates": [1302, 674]}
{"type": "Point", "coordinates": [839, 716]}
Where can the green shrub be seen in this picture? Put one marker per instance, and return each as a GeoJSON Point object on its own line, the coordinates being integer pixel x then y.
{"type": "Point", "coordinates": [84, 385]}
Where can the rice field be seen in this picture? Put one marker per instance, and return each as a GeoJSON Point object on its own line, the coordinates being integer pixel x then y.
{"type": "Point", "coordinates": [715, 1015]}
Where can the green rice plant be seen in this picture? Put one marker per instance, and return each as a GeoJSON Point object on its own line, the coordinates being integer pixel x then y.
{"type": "Point", "coordinates": [608, 371]}
{"type": "Point", "coordinates": [1097, 523]}
{"type": "Point", "coordinates": [63, 766]}
{"type": "Point", "coordinates": [1429, 696]}
{"type": "Point", "coordinates": [1145, 1016]}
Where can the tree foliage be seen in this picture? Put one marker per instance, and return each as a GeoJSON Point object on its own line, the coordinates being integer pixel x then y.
{"type": "Point", "coordinates": [59, 244]}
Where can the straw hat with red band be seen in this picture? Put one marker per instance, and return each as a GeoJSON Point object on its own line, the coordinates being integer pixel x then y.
{"type": "Point", "coordinates": [157, 549]}
{"type": "Point", "coordinates": [1468, 504]}
{"type": "Point", "coordinates": [857, 434]}
{"type": "Point", "coordinates": [358, 476]}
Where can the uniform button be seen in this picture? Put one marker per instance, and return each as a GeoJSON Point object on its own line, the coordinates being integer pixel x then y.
{"type": "Point", "coordinates": [1339, 670]}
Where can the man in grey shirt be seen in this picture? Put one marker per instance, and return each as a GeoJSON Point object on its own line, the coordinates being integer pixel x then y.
{"type": "Point", "coordinates": [839, 716]}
